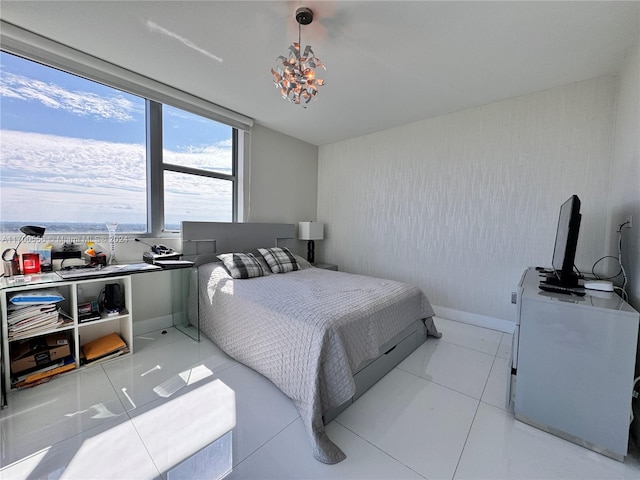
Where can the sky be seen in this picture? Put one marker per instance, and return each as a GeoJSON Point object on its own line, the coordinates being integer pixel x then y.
{"type": "Point", "coordinates": [72, 150]}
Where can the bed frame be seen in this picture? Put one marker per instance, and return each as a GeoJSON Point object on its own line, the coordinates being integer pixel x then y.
{"type": "Point", "coordinates": [202, 241]}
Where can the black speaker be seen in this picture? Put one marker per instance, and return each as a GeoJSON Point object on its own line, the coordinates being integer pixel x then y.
{"type": "Point", "coordinates": [113, 301]}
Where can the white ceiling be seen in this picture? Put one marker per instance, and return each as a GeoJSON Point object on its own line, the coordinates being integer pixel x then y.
{"type": "Point", "coordinates": [388, 63]}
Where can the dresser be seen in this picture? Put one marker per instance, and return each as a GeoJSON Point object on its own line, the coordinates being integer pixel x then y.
{"type": "Point", "coordinates": [573, 365]}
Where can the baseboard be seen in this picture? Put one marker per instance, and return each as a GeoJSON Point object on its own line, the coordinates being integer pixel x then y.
{"type": "Point", "coordinates": [475, 319]}
{"type": "Point", "coordinates": [152, 324]}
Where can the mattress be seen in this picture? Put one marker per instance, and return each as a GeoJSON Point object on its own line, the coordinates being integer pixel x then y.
{"type": "Point", "coordinates": [307, 331]}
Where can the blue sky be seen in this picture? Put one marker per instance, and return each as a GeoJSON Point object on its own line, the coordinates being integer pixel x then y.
{"type": "Point", "coordinates": [77, 146]}
{"type": "Point", "coordinates": [71, 106]}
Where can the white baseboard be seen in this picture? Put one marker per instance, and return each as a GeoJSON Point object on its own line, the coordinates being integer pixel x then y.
{"type": "Point", "coordinates": [475, 319]}
{"type": "Point", "coordinates": [152, 324]}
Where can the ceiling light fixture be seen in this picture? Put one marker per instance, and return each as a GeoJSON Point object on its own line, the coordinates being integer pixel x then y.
{"type": "Point", "coordinates": [295, 76]}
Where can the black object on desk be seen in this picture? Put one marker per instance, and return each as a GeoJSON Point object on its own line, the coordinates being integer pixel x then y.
{"type": "Point", "coordinates": [579, 291]}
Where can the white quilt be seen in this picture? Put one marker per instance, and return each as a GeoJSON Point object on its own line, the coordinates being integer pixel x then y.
{"type": "Point", "coordinates": [307, 331]}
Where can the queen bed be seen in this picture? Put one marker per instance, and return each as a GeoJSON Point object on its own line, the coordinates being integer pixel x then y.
{"type": "Point", "coordinates": [323, 337]}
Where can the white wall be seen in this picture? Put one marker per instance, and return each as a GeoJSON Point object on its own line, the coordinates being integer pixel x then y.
{"type": "Point", "coordinates": [283, 178]}
{"type": "Point", "coordinates": [625, 177]}
{"type": "Point", "coordinates": [625, 188]}
{"type": "Point", "coordinates": [461, 204]}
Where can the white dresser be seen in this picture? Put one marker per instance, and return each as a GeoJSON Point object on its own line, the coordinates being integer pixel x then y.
{"type": "Point", "coordinates": [573, 365]}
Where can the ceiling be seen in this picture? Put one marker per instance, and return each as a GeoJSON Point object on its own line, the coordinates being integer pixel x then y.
{"type": "Point", "coordinates": [388, 63]}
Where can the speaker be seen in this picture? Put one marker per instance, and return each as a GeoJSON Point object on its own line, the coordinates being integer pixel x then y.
{"type": "Point", "coordinates": [113, 301]}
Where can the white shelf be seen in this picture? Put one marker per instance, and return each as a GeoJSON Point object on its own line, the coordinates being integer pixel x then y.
{"type": "Point", "coordinates": [75, 292]}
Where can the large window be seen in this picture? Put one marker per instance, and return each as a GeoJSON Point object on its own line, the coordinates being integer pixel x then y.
{"type": "Point", "coordinates": [75, 154]}
{"type": "Point", "coordinates": [198, 164]}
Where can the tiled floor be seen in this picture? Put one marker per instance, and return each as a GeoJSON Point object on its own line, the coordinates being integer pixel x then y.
{"type": "Point", "coordinates": [439, 414]}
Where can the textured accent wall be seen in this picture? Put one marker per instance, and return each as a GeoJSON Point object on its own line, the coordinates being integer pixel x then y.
{"type": "Point", "coordinates": [625, 178]}
{"type": "Point", "coordinates": [461, 204]}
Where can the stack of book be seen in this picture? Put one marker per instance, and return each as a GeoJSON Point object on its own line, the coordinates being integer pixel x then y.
{"type": "Point", "coordinates": [37, 359]}
{"type": "Point", "coordinates": [29, 320]}
{"type": "Point", "coordinates": [44, 374]}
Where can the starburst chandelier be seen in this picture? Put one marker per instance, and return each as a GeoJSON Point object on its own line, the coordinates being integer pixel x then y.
{"type": "Point", "coordinates": [295, 75]}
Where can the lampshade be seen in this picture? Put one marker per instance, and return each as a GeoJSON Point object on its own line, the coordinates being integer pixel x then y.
{"type": "Point", "coordinates": [310, 231]}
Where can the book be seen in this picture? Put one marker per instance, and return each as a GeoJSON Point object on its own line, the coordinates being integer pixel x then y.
{"type": "Point", "coordinates": [36, 378]}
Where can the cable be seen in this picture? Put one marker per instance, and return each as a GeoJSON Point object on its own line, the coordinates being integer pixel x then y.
{"type": "Point", "coordinates": [634, 394]}
{"type": "Point", "coordinates": [620, 288]}
{"type": "Point", "coordinates": [624, 274]}
{"type": "Point", "coordinates": [598, 277]}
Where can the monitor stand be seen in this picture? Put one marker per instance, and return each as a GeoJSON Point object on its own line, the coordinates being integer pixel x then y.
{"type": "Point", "coordinates": [567, 286]}
{"type": "Point", "coordinates": [553, 280]}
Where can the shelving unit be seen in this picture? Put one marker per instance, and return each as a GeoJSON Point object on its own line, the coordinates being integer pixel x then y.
{"type": "Point", "coordinates": [75, 292]}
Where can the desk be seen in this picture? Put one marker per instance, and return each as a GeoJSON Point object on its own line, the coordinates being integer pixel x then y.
{"type": "Point", "coordinates": [84, 285]}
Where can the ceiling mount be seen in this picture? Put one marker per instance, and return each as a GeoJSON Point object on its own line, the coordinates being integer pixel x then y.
{"type": "Point", "coordinates": [304, 16]}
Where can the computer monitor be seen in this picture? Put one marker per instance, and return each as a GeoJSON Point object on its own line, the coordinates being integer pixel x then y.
{"type": "Point", "coordinates": [564, 251]}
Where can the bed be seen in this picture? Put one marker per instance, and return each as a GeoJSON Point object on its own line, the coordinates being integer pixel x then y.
{"type": "Point", "coordinates": [323, 337]}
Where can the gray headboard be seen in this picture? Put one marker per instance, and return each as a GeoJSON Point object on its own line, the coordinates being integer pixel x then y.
{"type": "Point", "coordinates": [202, 241]}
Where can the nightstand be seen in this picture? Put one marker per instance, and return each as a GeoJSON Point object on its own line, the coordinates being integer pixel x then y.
{"type": "Point", "coordinates": [326, 266]}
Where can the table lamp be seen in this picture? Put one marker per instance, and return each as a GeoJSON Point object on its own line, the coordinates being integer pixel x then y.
{"type": "Point", "coordinates": [12, 261]}
{"type": "Point", "coordinates": [310, 231]}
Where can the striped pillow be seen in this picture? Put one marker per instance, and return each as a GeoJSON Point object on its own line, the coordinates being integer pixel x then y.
{"type": "Point", "coordinates": [241, 265]}
{"type": "Point", "coordinates": [280, 260]}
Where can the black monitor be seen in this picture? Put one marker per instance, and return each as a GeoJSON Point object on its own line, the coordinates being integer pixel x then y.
{"type": "Point", "coordinates": [564, 251]}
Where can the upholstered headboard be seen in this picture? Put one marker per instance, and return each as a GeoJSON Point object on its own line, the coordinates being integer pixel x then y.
{"type": "Point", "coordinates": [202, 241]}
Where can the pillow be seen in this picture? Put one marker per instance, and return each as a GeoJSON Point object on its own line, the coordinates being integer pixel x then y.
{"type": "Point", "coordinates": [241, 265]}
{"type": "Point", "coordinates": [302, 262]}
{"type": "Point", "coordinates": [280, 260]}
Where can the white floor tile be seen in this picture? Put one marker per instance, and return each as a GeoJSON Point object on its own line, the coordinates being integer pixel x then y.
{"type": "Point", "coordinates": [419, 423]}
{"type": "Point", "coordinates": [262, 410]}
{"type": "Point", "coordinates": [154, 373]}
{"type": "Point", "coordinates": [409, 425]}
{"type": "Point", "coordinates": [470, 336]}
{"type": "Point", "coordinates": [499, 447]}
{"type": "Point", "coordinates": [504, 350]}
{"type": "Point", "coordinates": [109, 451]}
{"type": "Point", "coordinates": [158, 338]}
{"type": "Point", "coordinates": [450, 365]}
{"type": "Point", "coordinates": [189, 421]}
{"type": "Point", "coordinates": [38, 417]}
{"type": "Point", "coordinates": [496, 390]}
{"type": "Point", "coordinates": [288, 456]}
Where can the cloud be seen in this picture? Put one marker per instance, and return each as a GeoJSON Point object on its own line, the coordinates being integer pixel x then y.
{"type": "Point", "coordinates": [53, 178]}
{"type": "Point", "coordinates": [82, 103]}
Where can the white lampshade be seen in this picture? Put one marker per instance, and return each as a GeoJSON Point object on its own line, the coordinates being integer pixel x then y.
{"type": "Point", "coordinates": [310, 230]}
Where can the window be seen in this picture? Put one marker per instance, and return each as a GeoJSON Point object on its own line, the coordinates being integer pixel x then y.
{"type": "Point", "coordinates": [199, 166]}
{"type": "Point", "coordinates": [74, 154]}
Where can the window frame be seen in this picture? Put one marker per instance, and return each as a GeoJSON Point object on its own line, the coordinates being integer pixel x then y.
{"type": "Point", "coordinates": [33, 47]}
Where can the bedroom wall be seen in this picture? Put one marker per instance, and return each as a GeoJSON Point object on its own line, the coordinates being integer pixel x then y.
{"type": "Point", "coordinates": [625, 177]}
{"type": "Point", "coordinates": [461, 204]}
{"type": "Point", "coordinates": [283, 178]}
{"type": "Point", "coordinates": [625, 189]}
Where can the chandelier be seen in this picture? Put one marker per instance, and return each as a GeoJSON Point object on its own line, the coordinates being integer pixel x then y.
{"type": "Point", "coordinates": [295, 75]}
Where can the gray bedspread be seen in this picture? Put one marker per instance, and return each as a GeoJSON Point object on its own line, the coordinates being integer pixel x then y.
{"type": "Point", "coordinates": [307, 331]}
